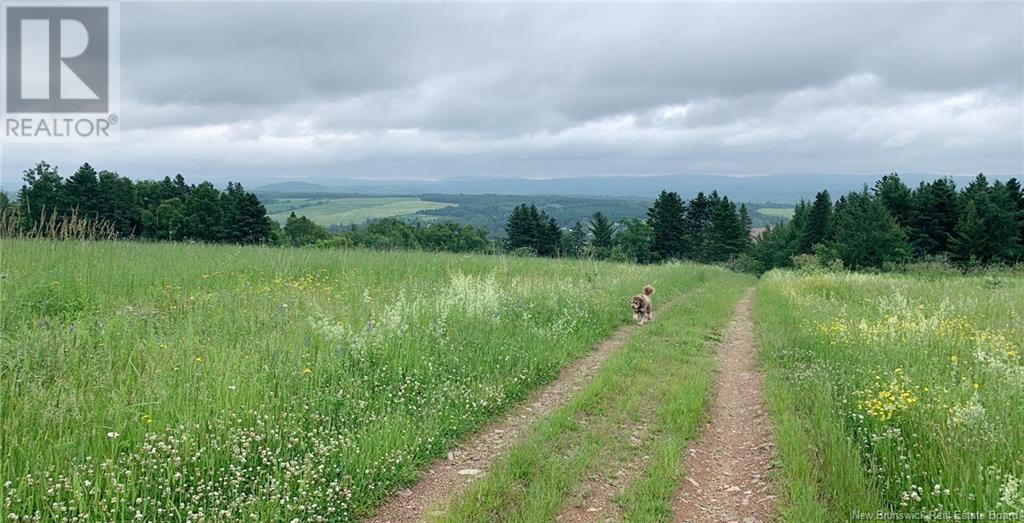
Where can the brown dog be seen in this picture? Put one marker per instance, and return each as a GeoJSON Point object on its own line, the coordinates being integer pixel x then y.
{"type": "Point", "coordinates": [641, 305]}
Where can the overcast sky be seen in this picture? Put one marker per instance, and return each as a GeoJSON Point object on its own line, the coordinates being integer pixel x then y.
{"type": "Point", "coordinates": [269, 92]}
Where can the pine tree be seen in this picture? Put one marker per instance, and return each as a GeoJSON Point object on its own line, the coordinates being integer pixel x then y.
{"type": "Point", "coordinates": [866, 235]}
{"type": "Point", "coordinates": [520, 230]}
{"type": "Point", "coordinates": [602, 231]}
{"type": "Point", "coordinates": [665, 219]}
{"type": "Point", "coordinates": [549, 236]}
{"type": "Point", "coordinates": [1017, 192]}
{"type": "Point", "coordinates": [695, 225]}
{"type": "Point", "coordinates": [1002, 224]}
{"type": "Point", "coordinates": [747, 226]}
{"type": "Point", "coordinates": [819, 221]}
{"type": "Point", "coordinates": [933, 217]}
{"type": "Point", "coordinates": [967, 246]}
{"type": "Point", "coordinates": [81, 190]}
{"type": "Point", "coordinates": [724, 239]}
{"type": "Point", "coordinates": [800, 223]}
{"type": "Point", "coordinates": [895, 196]}
{"type": "Point", "coordinates": [117, 202]}
{"type": "Point", "coordinates": [299, 230]}
{"type": "Point", "coordinates": [203, 214]}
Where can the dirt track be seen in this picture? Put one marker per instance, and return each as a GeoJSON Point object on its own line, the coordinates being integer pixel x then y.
{"type": "Point", "coordinates": [727, 468]}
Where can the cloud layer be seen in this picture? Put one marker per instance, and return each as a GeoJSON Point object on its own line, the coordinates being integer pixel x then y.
{"type": "Point", "coordinates": [264, 92]}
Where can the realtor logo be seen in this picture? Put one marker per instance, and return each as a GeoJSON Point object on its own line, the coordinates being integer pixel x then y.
{"type": "Point", "coordinates": [60, 72]}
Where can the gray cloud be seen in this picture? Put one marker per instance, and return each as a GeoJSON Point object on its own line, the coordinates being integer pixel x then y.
{"type": "Point", "coordinates": [264, 91]}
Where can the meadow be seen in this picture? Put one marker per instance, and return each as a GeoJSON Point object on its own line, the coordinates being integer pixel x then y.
{"type": "Point", "coordinates": [189, 382]}
{"type": "Point", "coordinates": [775, 212]}
{"type": "Point", "coordinates": [349, 210]}
{"type": "Point", "coordinates": [896, 393]}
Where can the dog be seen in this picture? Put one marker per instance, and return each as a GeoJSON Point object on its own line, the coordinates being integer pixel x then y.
{"type": "Point", "coordinates": [641, 305]}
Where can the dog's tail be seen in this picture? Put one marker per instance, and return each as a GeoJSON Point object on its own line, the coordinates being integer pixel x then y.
{"type": "Point", "coordinates": [648, 290]}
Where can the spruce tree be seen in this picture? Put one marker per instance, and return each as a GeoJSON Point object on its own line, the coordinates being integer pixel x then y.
{"type": "Point", "coordinates": [82, 190]}
{"type": "Point", "coordinates": [895, 196]}
{"type": "Point", "coordinates": [576, 241]}
{"type": "Point", "coordinates": [967, 245]}
{"type": "Point", "coordinates": [819, 220]}
{"type": "Point", "coordinates": [747, 226]}
{"type": "Point", "coordinates": [602, 230]}
{"type": "Point", "coordinates": [520, 229]}
{"type": "Point", "coordinates": [866, 234]}
{"type": "Point", "coordinates": [695, 226]}
{"type": "Point", "coordinates": [665, 219]}
{"type": "Point", "coordinates": [933, 217]}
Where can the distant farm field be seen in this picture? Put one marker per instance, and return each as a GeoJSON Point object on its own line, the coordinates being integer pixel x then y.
{"type": "Point", "coordinates": [195, 382]}
{"type": "Point", "coordinates": [344, 211]}
{"type": "Point", "coordinates": [776, 212]}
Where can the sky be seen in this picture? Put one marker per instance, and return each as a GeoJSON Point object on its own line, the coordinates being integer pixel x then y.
{"type": "Point", "coordinates": [269, 92]}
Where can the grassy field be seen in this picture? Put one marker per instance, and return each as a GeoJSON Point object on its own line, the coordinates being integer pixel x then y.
{"type": "Point", "coordinates": [189, 382]}
{"type": "Point", "coordinates": [776, 212]}
{"type": "Point", "coordinates": [647, 401]}
{"type": "Point", "coordinates": [344, 211]}
{"type": "Point", "coordinates": [906, 390]}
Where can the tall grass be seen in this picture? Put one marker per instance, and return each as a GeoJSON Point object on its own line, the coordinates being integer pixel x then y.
{"type": "Point", "coordinates": [54, 225]}
{"type": "Point", "coordinates": [189, 382]}
{"type": "Point", "coordinates": [896, 393]}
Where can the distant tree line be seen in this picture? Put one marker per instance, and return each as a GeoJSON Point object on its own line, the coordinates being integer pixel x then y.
{"type": "Point", "coordinates": [388, 234]}
{"type": "Point", "coordinates": [706, 229]}
{"type": "Point", "coordinates": [168, 209]}
{"type": "Point", "coordinates": [891, 224]}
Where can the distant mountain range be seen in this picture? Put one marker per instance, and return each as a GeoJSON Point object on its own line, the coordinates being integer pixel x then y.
{"type": "Point", "coordinates": [782, 188]}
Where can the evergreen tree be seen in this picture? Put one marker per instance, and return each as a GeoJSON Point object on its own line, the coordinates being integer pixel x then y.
{"type": "Point", "coordinates": [819, 221]}
{"type": "Point", "coordinates": [773, 248]}
{"type": "Point", "coordinates": [576, 241]}
{"type": "Point", "coordinates": [81, 191]}
{"type": "Point", "coordinates": [933, 217]}
{"type": "Point", "coordinates": [602, 230]}
{"type": "Point", "coordinates": [895, 196]}
{"type": "Point", "coordinates": [116, 201]}
{"type": "Point", "coordinates": [967, 245]}
{"type": "Point", "coordinates": [866, 235]}
{"type": "Point", "coordinates": [695, 226]}
{"type": "Point", "coordinates": [166, 221]}
{"type": "Point", "coordinates": [549, 236]}
{"type": "Point", "coordinates": [1017, 193]}
{"type": "Point", "coordinates": [1002, 224]}
{"type": "Point", "coordinates": [299, 230]}
{"type": "Point", "coordinates": [800, 223]}
{"type": "Point", "coordinates": [747, 225]}
{"type": "Point", "coordinates": [520, 230]}
{"type": "Point", "coordinates": [245, 219]}
{"type": "Point", "coordinates": [726, 237]}
{"type": "Point", "coordinates": [665, 219]}
{"type": "Point", "coordinates": [203, 214]}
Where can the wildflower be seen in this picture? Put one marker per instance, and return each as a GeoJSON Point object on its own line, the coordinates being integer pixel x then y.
{"type": "Point", "coordinates": [307, 370]}
{"type": "Point", "coordinates": [113, 435]}
{"type": "Point", "coordinates": [199, 359]}
{"type": "Point", "coordinates": [146, 418]}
